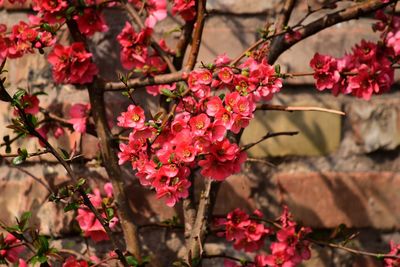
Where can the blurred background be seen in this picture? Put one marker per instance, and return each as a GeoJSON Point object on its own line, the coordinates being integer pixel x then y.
{"type": "Point", "coordinates": [339, 170]}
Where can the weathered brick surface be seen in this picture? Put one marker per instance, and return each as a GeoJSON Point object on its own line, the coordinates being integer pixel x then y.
{"type": "Point", "coordinates": [357, 199]}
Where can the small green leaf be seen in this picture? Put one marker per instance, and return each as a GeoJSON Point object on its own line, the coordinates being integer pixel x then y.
{"type": "Point", "coordinates": [71, 206]}
{"type": "Point", "coordinates": [20, 93]}
{"type": "Point", "coordinates": [168, 93]}
{"type": "Point", "coordinates": [18, 160]}
{"type": "Point", "coordinates": [278, 69]}
{"type": "Point", "coordinates": [110, 213]}
{"type": "Point", "coordinates": [70, 10]}
{"type": "Point", "coordinates": [23, 152]}
{"type": "Point", "coordinates": [42, 244]}
{"type": "Point", "coordinates": [23, 221]}
{"type": "Point", "coordinates": [81, 182]}
{"type": "Point", "coordinates": [132, 261]}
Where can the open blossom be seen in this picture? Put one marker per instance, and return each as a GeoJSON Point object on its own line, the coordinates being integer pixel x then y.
{"type": "Point", "coordinates": [246, 233]}
{"type": "Point", "coordinates": [90, 21]}
{"type": "Point", "coordinates": [185, 8]}
{"type": "Point", "coordinates": [73, 262]}
{"type": "Point", "coordinates": [88, 222]}
{"type": "Point", "coordinates": [326, 72]}
{"type": "Point", "coordinates": [49, 6]}
{"type": "Point", "coordinates": [79, 114]}
{"type": "Point", "coordinates": [132, 118]}
{"type": "Point", "coordinates": [30, 103]}
{"type": "Point", "coordinates": [11, 254]}
{"type": "Point", "coordinates": [72, 64]}
{"type": "Point", "coordinates": [157, 11]}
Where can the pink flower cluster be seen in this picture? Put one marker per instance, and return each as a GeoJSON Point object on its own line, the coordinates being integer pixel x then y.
{"type": "Point", "coordinates": [90, 226]}
{"type": "Point", "coordinates": [289, 250]}
{"type": "Point", "coordinates": [368, 69]}
{"type": "Point", "coordinates": [88, 19]}
{"type": "Point", "coordinates": [156, 10]}
{"type": "Point", "coordinates": [185, 8]}
{"type": "Point", "coordinates": [163, 154]}
{"type": "Point", "coordinates": [72, 64]}
{"type": "Point", "coordinates": [73, 262]}
{"type": "Point", "coordinates": [10, 250]}
{"type": "Point", "coordinates": [291, 247]}
{"type": "Point", "coordinates": [22, 39]}
{"type": "Point", "coordinates": [362, 73]}
{"type": "Point", "coordinates": [136, 53]}
{"type": "Point", "coordinates": [394, 250]}
{"type": "Point", "coordinates": [79, 114]}
{"type": "Point", "coordinates": [246, 233]}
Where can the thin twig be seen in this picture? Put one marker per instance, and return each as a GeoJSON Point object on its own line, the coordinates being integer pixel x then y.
{"type": "Point", "coordinates": [329, 20]}
{"type": "Point", "coordinates": [291, 109]}
{"type": "Point", "coordinates": [198, 32]}
{"type": "Point", "coordinates": [136, 18]}
{"type": "Point", "coordinates": [267, 136]}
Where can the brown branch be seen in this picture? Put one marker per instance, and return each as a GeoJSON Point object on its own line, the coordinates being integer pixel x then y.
{"type": "Point", "coordinates": [160, 225]}
{"type": "Point", "coordinates": [183, 43]}
{"type": "Point", "coordinates": [109, 149]}
{"type": "Point", "coordinates": [144, 81]}
{"type": "Point", "coordinates": [198, 32]}
{"type": "Point", "coordinates": [225, 256]}
{"type": "Point", "coordinates": [33, 154]}
{"type": "Point", "coordinates": [353, 251]}
{"type": "Point", "coordinates": [203, 216]}
{"type": "Point", "coordinates": [291, 109]}
{"type": "Point", "coordinates": [281, 22]}
{"type": "Point", "coordinates": [329, 20]}
{"type": "Point", "coordinates": [267, 136]}
{"type": "Point", "coordinates": [86, 201]}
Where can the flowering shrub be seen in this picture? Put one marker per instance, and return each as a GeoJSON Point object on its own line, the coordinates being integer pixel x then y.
{"type": "Point", "coordinates": [195, 135]}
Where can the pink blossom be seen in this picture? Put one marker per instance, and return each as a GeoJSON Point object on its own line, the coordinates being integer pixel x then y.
{"type": "Point", "coordinates": [72, 64]}
{"type": "Point", "coordinates": [157, 11]}
{"type": "Point", "coordinates": [11, 254]}
{"type": "Point", "coordinates": [79, 114]}
{"type": "Point", "coordinates": [90, 21]}
{"type": "Point", "coordinates": [132, 118]}
{"type": "Point", "coordinates": [73, 262]}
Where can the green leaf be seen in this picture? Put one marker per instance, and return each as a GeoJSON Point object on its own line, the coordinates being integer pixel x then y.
{"type": "Point", "coordinates": [81, 182]}
{"type": "Point", "coordinates": [32, 119]}
{"type": "Point", "coordinates": [168, 93]}
{"type": "Point", "coordinates": [132, 261]}
{"type": "Point", "coordinates": [18, 160]}
{"type": "Point", "coordinates": [20, 93]}
{"type": "Point", "coordinates": [23, 221]}
{"type": "Point", "coordinates": [38, 259]}
{"type": "Point", "coordinates": [42, 244]}
{"type": "Point", "coordinates": [23, 152]}
{"type": "Point", "coordinates": [70, 10]}
{"type": "Point", "coordinates": [71, 206]}
{"type": "Point", "coordinates": [278, 69]}
{"type": "Point", "coordinates": [110, 213]}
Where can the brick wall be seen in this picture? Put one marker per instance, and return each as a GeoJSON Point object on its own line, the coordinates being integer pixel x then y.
{"type": "Point", "coordinates": [339, 169]}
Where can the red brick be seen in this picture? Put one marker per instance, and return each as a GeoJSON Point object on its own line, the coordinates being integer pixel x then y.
{"type": "Point", "coordinates": [357, 199]}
